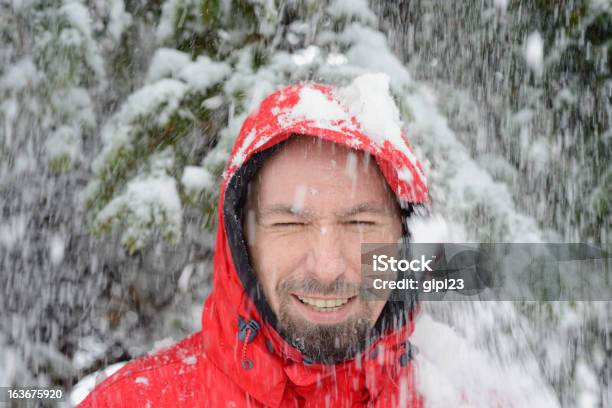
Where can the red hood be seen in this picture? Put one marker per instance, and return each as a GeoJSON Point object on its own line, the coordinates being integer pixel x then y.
{"type": "Point", "coordinates": [274, 121]}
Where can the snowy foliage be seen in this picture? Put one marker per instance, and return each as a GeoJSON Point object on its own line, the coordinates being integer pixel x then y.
{"type": "Point", "coordinates": [117, 119]}
{"type": "Point", "coordinates": [149, 199]}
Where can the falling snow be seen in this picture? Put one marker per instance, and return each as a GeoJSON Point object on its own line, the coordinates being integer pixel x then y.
{"type": "Point", "coordinates": [116, 123]}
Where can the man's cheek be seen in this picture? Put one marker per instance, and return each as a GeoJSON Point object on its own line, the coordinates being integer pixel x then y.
{"type": "Point", "coordinates": [275, 276]}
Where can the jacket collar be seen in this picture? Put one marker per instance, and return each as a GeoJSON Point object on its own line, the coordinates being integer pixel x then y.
{"type": "Point", "coordinates": [277, 368]}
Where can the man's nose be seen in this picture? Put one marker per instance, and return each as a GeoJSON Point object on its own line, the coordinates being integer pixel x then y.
{"type": "Point", "coordinates": [327, 259]}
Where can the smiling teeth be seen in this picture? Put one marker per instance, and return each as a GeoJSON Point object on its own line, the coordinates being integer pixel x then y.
{"type": "Point", "coordinates": [324, 304]}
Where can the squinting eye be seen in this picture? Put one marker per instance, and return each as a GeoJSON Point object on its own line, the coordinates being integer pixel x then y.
{"type": "Point", "coordinates": [287, 224]}
{"type": "Point", "coordinates": [361, 222]}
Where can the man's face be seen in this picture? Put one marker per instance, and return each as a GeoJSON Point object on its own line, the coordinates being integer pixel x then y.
{"type": "Point", "coordinates": [309, 208]}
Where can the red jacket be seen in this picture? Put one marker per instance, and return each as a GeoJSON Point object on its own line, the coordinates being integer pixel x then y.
{"type": "Point", "coordinates": [238, 359]}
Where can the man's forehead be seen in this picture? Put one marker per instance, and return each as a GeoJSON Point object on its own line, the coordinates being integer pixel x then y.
{"type": "Point", "coordinates": [300, 156]}
{"type": "Point", "coordinates": [308, 174]}
{"type": "Point", "coordinates": [309, 147]}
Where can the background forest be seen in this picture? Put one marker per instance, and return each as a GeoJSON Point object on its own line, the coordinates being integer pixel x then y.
{"type": "Point", "coordinates": [117, 118]}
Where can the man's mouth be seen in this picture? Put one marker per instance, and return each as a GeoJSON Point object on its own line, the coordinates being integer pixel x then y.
{"type": "Point", "coordinates": [324, 305]}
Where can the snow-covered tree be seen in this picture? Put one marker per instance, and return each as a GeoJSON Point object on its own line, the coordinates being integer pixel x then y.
{"type": "Point", "coordinates": [50, 67]}
{"type": "Point", "coordinates": [117, 119]}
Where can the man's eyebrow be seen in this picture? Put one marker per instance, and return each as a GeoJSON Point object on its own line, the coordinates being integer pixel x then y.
{"type": "Point", "coordinates": [285, 209]}
{"type": "Point", "coordinates": [282, 209]}
{"type": "Point", "coordinates": [368, 207]}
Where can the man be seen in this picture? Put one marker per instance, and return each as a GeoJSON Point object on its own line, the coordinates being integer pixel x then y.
{"type": "Point", "coordinates": [314, 172]}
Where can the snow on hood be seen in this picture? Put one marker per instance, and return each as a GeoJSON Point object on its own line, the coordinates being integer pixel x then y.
{"type": "Point", "coordinates": [361, 115]}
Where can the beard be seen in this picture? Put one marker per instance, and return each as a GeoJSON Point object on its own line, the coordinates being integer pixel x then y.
{"type": "Point", "coordinates": [323, 343]}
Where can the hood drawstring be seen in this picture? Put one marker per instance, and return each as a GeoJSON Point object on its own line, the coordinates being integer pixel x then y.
{"type": "Point", "coordinates": [246, 333]}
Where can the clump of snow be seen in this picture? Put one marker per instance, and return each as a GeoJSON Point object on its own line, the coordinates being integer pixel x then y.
{"type": "Point", "coordinates": [588, 386]}
{"type": "Point", "coordinates": [501, 4]}
{"type": "Point", "coordinates": [190, 360]}
{"type": "Point", "coordinates": [12, 366]}
{"type": "Point", "coordinates": [368, 99]}
{"type": "Point", "coordinates": [12, 230]}
{"type": "Point", "coordinates": [212, 103]}
{"type": "Point", "coordinates": [160, 99]}
{"type": "Point", "coordinates": [142, 380]}
{"type": "Point", "coordinates": [161, 345]}
{"type": "Point", "coordinates": [267, 16]}
{"type": "Point", "coordinates": [435, 229]}
{"type": "Point", "coordinates": [119, 19]}
{"type": "Point", "coordinates": [76, 106]}
{"type": "Point", "coordinates": [90, 349]}
{"type": "Point", "coordinates": [534, 52]}
{"type": "Point", "coordinates": [306, 56]}
{"type": "Point", "coordinates": [56, 249]}
{"type": "Point", "coordinates": [149, 201]}
{"type": "Point", "coordinates": [166, 63]}
{"type": "Point", "coordinates": [167, 20]}
{"type": "Point", "coordinates": [315, 105]}
{"type": "Point", "coordinates": [78, 17]}
{"type": "Point", "coordinates": [334, 59]}
{"type": "Point", "coordinates": [63, 142]}
{"type": "Point", "coordinates": [600, 5]}
{"type": "Point", "coordinates": [87, 384]}
{"type": "Point", "coordinates": [20, 75]}
{"type": "Point", "coordinates": [355, 9]}
{"type": "Point", "coordinates": [196, 179]}
{"type": "Point", "coordinates": [203, 73]}
{"type": "Point", "coordinates": [539, 154]}
{"type": "Point", "coordinates": [183, 280]}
